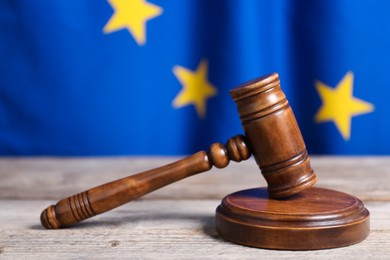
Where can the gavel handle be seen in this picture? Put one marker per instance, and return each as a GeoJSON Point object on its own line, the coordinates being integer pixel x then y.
{"type": "Point", "coordinates": [76, 208]}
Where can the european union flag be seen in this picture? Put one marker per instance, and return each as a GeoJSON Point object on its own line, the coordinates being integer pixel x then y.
{"type": "Point", "coordinates": [152, 77]}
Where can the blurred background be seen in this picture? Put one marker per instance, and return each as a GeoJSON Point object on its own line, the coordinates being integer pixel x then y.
{"type": "Point", "coordinates": [136, 77]}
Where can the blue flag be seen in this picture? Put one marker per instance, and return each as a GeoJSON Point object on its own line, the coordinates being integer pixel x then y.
{"type": "Point", "coordinates": [152, 77]}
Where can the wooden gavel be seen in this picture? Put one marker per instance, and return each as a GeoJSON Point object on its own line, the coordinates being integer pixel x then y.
{"type": "Point", "coordinates": [272, 135]}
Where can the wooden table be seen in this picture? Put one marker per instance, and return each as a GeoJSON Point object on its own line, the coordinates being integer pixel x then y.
{"type": "Point", "coordinates": [174, 222]}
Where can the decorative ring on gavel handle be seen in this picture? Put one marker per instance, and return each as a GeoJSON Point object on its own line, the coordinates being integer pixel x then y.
{"type": "Point", "coordinates": [76, 208]}
{"type": "Point", "coordinates": [271, 134]}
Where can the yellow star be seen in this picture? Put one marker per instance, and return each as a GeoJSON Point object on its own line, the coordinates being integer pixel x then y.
{"type": "Point", "coordinates": [196, 89]}
{"type": "Point", "coordinates": [339, 105]}
{"type": "Point", "coordinates": [132, 15]}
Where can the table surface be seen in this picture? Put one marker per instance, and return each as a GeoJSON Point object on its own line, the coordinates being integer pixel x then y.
{"type": "Point", "coordinates": [176, 221]}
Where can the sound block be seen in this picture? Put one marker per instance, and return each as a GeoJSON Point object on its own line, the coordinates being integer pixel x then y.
{"type": "Point", "coordinates": [315, 218]}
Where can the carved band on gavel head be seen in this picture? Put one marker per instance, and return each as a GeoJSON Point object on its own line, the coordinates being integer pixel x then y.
{"type": "Point", "coordinates": [272, 135]}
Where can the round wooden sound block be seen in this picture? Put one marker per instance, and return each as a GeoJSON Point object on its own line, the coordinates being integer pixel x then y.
{"type": "Point", "coordinates": [316, 218]}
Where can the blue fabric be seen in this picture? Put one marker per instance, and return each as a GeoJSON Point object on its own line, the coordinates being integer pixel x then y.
{"type": "Point", "coordinates": [69, 88]}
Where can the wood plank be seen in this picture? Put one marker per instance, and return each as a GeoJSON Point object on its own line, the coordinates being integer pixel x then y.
{"type": "Point", "coordinates": [54, 178]}
{"type": "Point", "coordinates": [162, 229]}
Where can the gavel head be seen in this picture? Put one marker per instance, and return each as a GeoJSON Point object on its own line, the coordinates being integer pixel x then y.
{"type": "Point", "coordinates": [273, 136]}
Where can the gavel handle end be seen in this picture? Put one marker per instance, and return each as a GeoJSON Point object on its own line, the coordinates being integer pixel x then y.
{"type": "Point", "coordinates": [103, 198]}
{"type": "Point", "coordinates": [49, 219]}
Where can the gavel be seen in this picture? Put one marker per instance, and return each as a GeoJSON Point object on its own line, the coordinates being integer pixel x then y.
{"type": "Point", "coordinates": [272, 135]}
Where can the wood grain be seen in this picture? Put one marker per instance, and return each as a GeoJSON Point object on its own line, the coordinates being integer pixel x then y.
{"type": "Point", "coordinates": [273, 136]}
{"type": "Point", "coordinates": [71, 210]}
{"type": "Point", "coordinates": [174, 222]}
{"type": "Point", "coordinates": [158, 229]}
{"type": "Point", "coordinates": [52, 178]}
{"type": "Point", "coordinates": [313, 219]}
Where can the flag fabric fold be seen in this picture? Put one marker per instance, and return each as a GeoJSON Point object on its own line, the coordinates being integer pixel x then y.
{"type": "Point", "coordinates": [138, 77]}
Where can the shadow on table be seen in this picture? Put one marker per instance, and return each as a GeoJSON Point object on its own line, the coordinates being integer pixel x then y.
{"type": "Point", "coordinates": [205, 223]}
